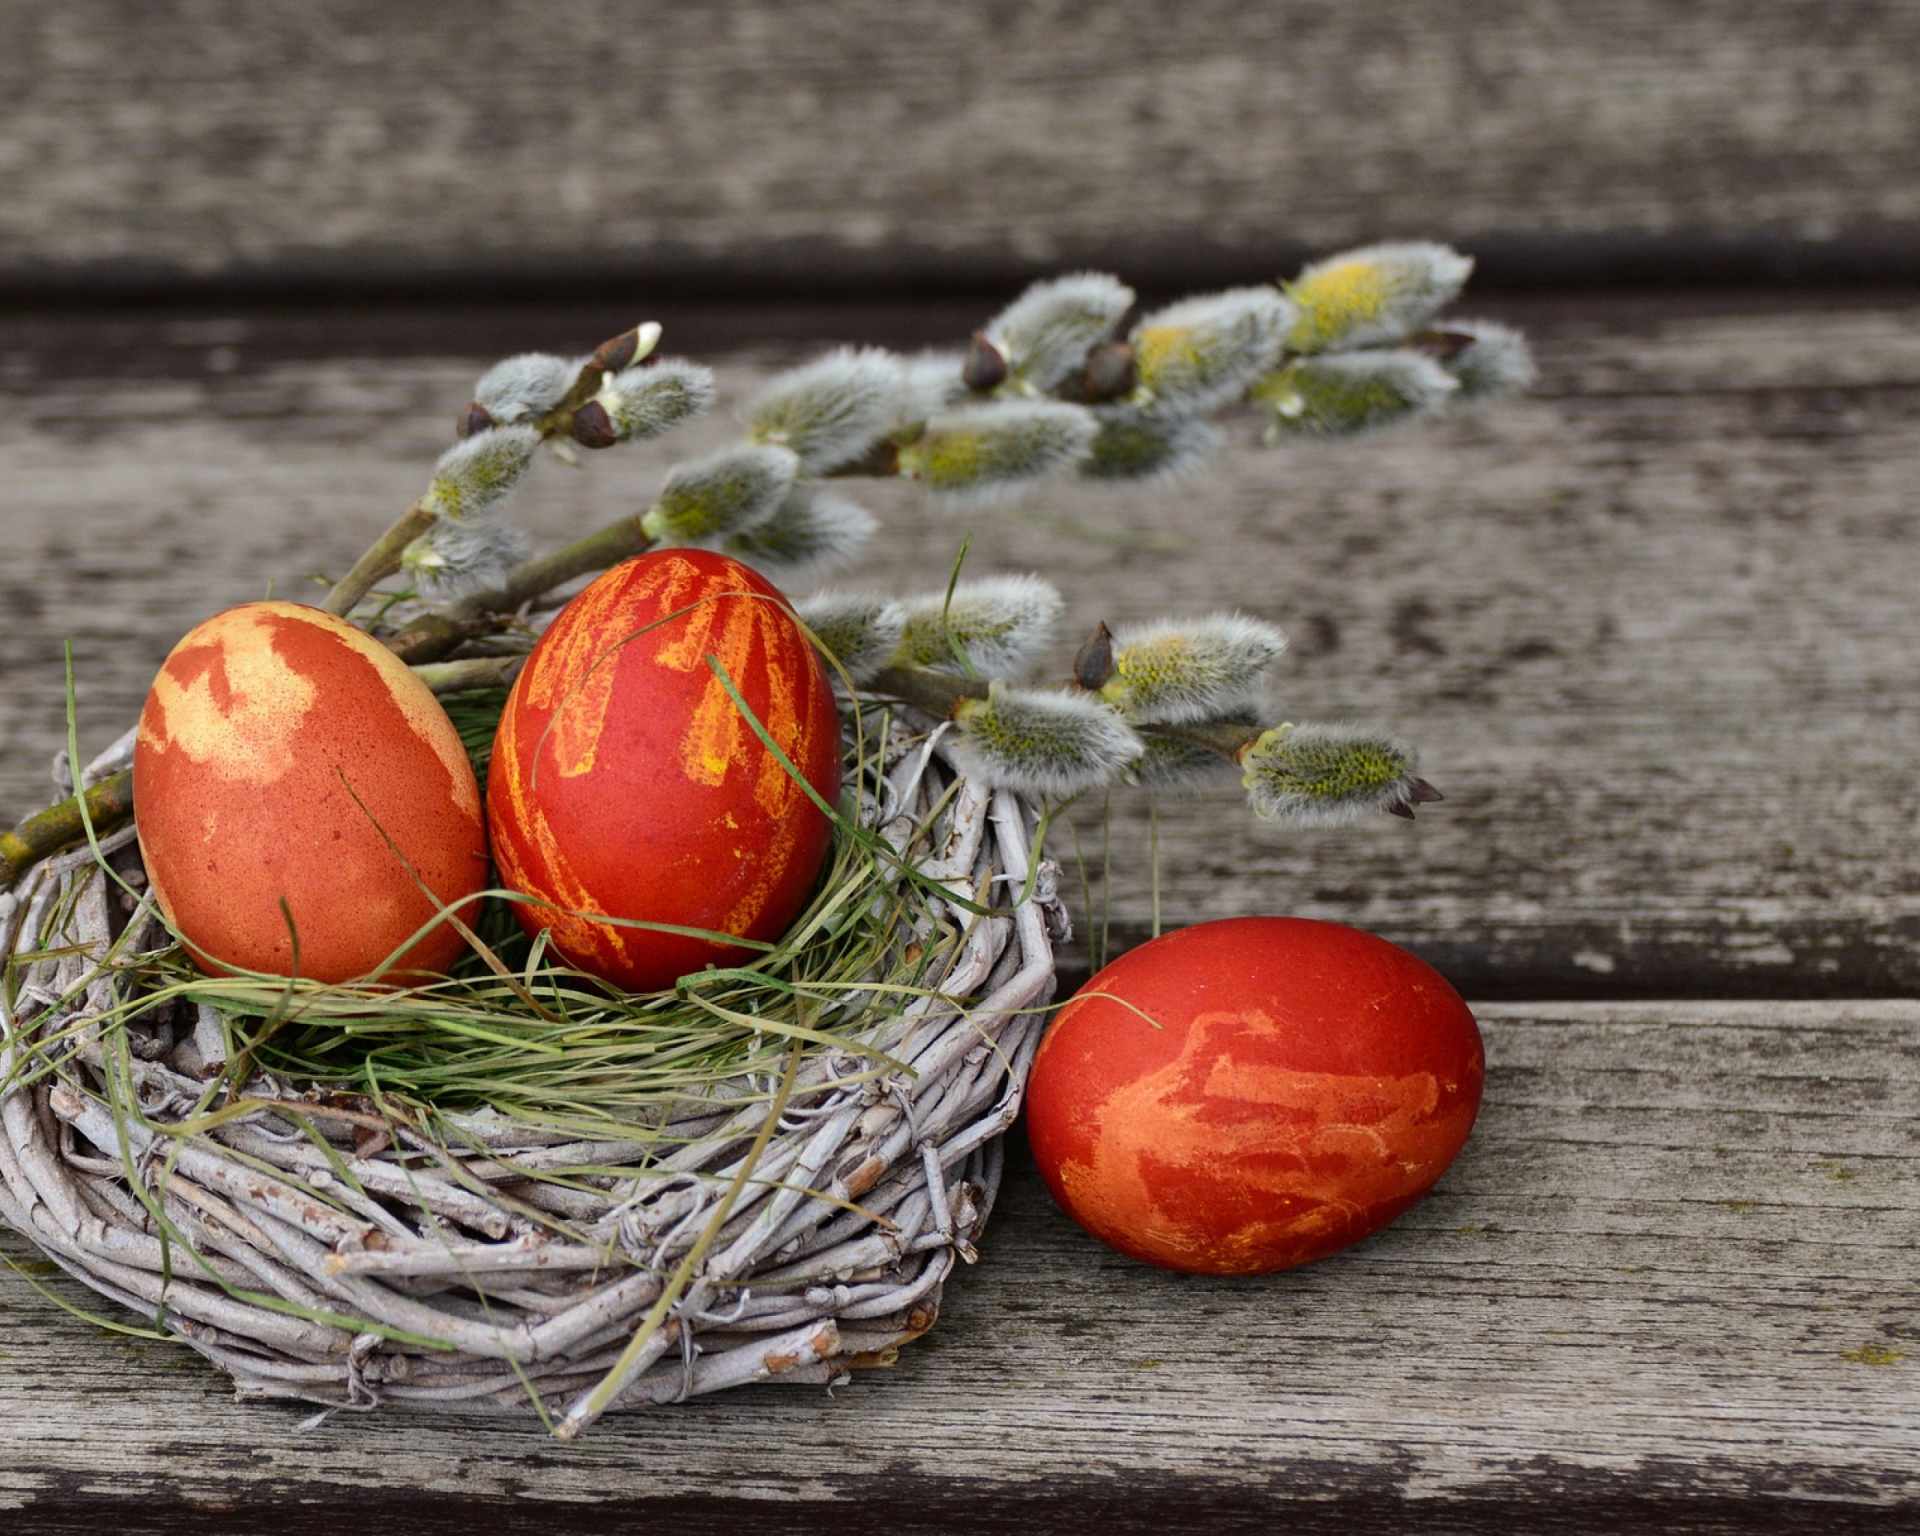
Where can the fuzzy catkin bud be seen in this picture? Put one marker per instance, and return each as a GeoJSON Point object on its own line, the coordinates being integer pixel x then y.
{"type": "Point", "coordinates": [1176, 671]}
{"type": "Point", "coordinates": [930, 382]}
{"type": "Point", "coordinates": [860, 630]}
{"type": "Point", "coordinates": [1042, 742]}
{"type": "Point", "coordinates": [1046, 333]}
{"type": "Point", "coordinates": [1495, 361]}
{"type": "Point", "coordinates": [1350, 392]}
{"type": "Point", "coordinates": [518, 388]}
{"type": "Point", "coordinates": [980, 453]}
{"type": "Point", "coordinates": [1147, 445]}
{"type": "Point", "coordinates": [452, 559]}
{"type": "Point", "coordinates": [831, 410]}
{"type": "Point", "coordinates": [992, 628]}
{"type": "Point", "coordinates": [474, 476]}
{"type": "Point", "coordinates": [1178, 765]}
{"type": "Point", "coordinates": [1375, 294]}
{"type": "Point", "coordinates": [1202, 353]}
{"type": "Point", "coordinates": [812, 530]}
{"type": "Point", "coordinates": [725, 493]}
{"type": "Point", "coordinates": [645, 402]}
{"type": "Point", "coordinates": [1330, 775]}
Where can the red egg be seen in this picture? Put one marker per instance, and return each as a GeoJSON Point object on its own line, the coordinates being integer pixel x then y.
{"type": "Point", "coordinates": [262, 728]}
{"type": "Point", "coordinates": [1306, 1083]}
{"type": "Point", "coordinates": [626, 782]}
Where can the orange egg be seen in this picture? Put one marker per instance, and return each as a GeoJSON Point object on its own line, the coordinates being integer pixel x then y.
{"type": "Point", "coordinates": [626, 782]}
{"type": "Point", "coordinates": [1292, 1087]}
{"type": "Point", "coordinates": [264, 725]}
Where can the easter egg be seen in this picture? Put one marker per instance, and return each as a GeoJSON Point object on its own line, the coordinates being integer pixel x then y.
{"type": "Point", "coordinates": [1253, 1094]}
{"type": "Point", "coordinates": [626, 782]}
{"type": "Point", "coordinates": [284, 755]}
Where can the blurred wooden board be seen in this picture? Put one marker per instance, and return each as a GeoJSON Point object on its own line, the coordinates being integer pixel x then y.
{"type": "Point", "coordinates": [911, 144]}
{"type": "Point", "coordinates": [1653, 626]}
{"type": "Point", "coordinates": [1670, 1285]}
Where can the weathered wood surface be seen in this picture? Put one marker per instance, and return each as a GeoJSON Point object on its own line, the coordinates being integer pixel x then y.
{"type": "Point", "coordinates": [903, 142]}
{"type": "Point", "coordinates": [1673, 1284]}
{"type": "Point", "coordinates": [1654, 626]}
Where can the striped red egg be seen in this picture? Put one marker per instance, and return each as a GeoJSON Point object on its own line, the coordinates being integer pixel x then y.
{"type": "Point", "coordinates": [1253, 1094]}
{"type": "Point", "coordinates": [283, 755]}
{"type": "Point", "coordinates": [626, 782]}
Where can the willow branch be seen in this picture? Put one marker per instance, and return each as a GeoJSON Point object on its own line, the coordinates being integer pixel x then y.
{"type": "Point", "coordinates": [1227, 738]}
{"type": "Point", "coordinates": [434, 635]}
{"type": "Point", "coordinates": [932, 693]}
{"type": "Point", "coordinates": [619, 540]}
{"type": "Point", "coordinates": [108, 804]}
{"type": "Point", "coordinates": [880, 462]}
{"type": "Point", "coordinates": [470, 672]}
{"type": "Point", "coordinates": [380, 561]}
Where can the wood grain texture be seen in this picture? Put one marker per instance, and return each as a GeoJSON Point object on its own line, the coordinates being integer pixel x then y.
{"type": "Point", "coordinates": [1653, 626]}
{"type": "Point", "coordinates": [905, 143]}
{"type": "Point", "coordinates": [1670, 1285]}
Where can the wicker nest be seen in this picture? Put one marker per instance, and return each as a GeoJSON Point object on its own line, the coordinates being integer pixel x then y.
{"type": "Point", "coordinates": [374, 1268]}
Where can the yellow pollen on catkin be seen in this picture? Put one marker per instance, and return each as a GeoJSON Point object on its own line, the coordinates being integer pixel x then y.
{"type": "Point", "coordinates": [1161, 347]}
{"type": "Point", "coordinates": [1333, 301]}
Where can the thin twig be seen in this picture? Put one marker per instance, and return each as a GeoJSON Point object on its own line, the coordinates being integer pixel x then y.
{"type": "Point", "coordinates": [605, 547]}
{"type": "Point", "coordinates": [380, 561]}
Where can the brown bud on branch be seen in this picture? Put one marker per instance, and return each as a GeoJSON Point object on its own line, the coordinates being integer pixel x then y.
{"type": "Point", "coordinates": [986, 365]}
{"type": "Point", "coordinates": [592, 427]}
{"type": "Point", "coordinates": [1111, 372]}
{"type": "Point", "coordinates": [1093, 663]}
{"type": "Point", "coordinates": [633, 346]}
{"type": "Point", "coordinates": [626, 349]}
{"type": "Point", "coordinates": [1442, 346]}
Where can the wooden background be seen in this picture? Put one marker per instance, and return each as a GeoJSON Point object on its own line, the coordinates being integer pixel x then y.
{"type": "Point", "coordinates": [1653, 625]}
{"type": "Point", "coordinates": [349, 144]}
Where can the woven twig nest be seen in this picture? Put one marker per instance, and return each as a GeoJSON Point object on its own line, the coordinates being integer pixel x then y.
{"type": "Point", "coordinates": [347, 1265]}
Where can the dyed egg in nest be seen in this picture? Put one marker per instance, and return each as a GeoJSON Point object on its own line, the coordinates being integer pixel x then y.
{"type": "Point", "coordinates": [1305, 1084]}
{"type": "Point", "coordinates": [626, 782]}
{"type": "Point", "coordinates": [284, 755]}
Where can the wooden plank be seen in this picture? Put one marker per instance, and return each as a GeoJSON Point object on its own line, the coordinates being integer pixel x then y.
{"type": "Point", "coordinates": [1650, 624]}
{"type": "Point", "coordinates": [1670, 1285]}
{"type": "Point", "coordinates": [906, 143]}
